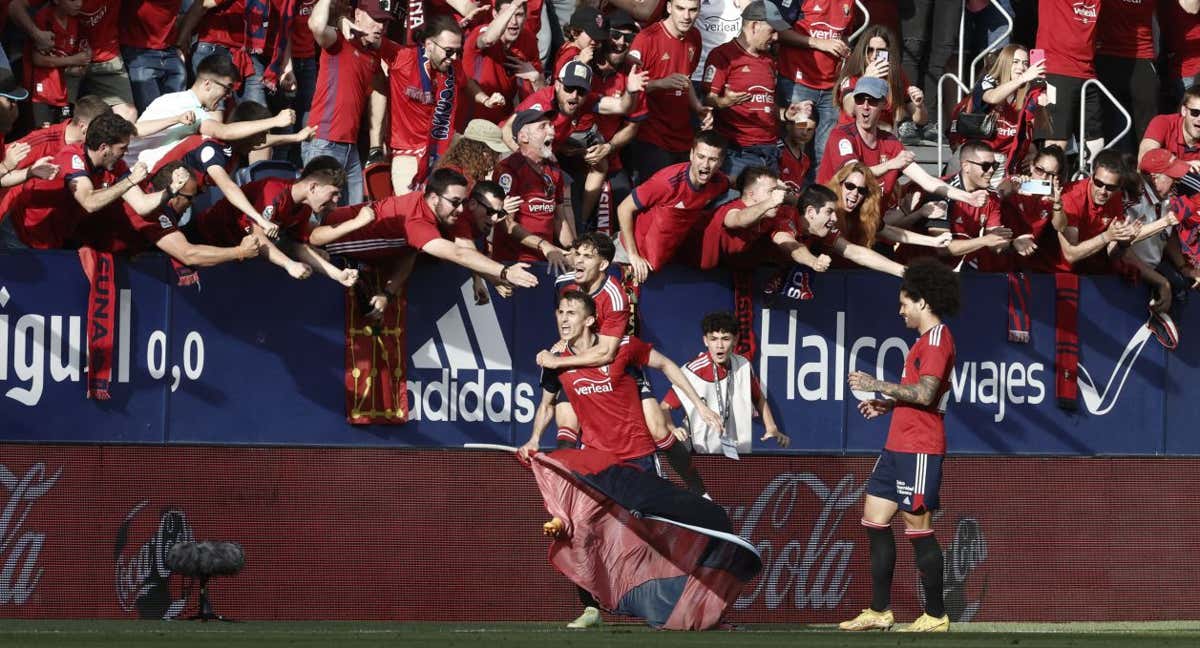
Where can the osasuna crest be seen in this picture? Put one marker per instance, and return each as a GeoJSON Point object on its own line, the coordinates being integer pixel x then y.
{"type": "Point", "coordinates": [505, 181]}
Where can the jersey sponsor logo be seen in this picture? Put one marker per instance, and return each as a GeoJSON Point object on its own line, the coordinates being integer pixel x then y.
{"type": "Point", "coordinates": [825, 30]}
{"type": "Point", "coordinates": [762, 95]}
{"type": "Point", "coordinates": [455, 369]}
{"type": "Point", "coordinates": [588, 386]}
{"type": "Point", "coordinates": [93, 18]}
{"type": "Point", "coordinates": [1085, 11]}
{"type": "Point", "coordinates": [719, 25]}
{"type": "Point", "coordinates": [539, 205]}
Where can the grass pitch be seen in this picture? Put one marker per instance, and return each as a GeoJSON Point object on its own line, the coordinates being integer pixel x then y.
{"type": "Point", "coordinates": [182, 634]}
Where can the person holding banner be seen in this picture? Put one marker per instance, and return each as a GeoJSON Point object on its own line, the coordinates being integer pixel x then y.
{"type": "Point", "coordinates": [908, 473]}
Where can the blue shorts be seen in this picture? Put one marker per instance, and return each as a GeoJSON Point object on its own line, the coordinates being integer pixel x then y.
{"type": "Point", "coordinates": [910, 480]}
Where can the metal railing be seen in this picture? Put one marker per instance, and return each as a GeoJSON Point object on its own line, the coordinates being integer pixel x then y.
{"type": "Point", "coordinates": [962, 34]}
{"type": "Point", "coordinates": [866, 21]}
{"type": "Point", "coordinates": [1083, 122]}
{"type": "Point", "coordinates": [941, 131]}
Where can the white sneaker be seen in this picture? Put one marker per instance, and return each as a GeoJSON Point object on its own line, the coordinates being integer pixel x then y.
{"type": "Point", "coordinates": [589, 619]}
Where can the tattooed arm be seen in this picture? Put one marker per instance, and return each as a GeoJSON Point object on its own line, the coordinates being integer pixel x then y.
{"type": "Point", "coordinates": [921, 393]}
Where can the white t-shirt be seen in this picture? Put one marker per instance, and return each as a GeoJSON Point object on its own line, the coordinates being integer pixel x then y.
{"type": "Point", "coordinates": [1147, 210]}
{"type": "Point", "coordinates": [152, 148]}
{"type": "Point", "coordinates": [719, 22]}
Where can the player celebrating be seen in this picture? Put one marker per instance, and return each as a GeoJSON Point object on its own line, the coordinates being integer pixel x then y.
{"type": "Point", "coordinates": [909, 471]}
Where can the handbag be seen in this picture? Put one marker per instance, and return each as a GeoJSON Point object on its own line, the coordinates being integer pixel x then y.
{"type": "Point", "coordinates": [975, 125]}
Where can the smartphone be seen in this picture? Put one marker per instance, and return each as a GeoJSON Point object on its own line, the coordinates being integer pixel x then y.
{"type": "Point", "coordinates": [1035, 188]}
{"type": "Point", "coordinates": [881, 55]}
{"type": "Point", "coordinates": [1036, 56]}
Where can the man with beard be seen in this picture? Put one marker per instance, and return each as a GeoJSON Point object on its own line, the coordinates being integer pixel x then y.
{"type": "Point", "coordinates": [350, 53]}
{"type": "Point", "coordinates": [290, 204]}
{"type": "Point", "coordinates": [45, 213]}
{"type": "Point", "coordinates": [669, 50]}
{"type": "Point", "coordinates": [577, 141]}
{"type": "Point", "coordinates": [670, 204]}
{"type": "Point", "coordinates": [531, 174]}
{"type": "Point", "coordinates": [1090, 218]}
{"type": "Point", "coordinates": [1179, 133]}
{"type": "Point", "coordinates": [427, 85]}
{"type": "Point", "coordinates": [443, 221]}
{"type": "Point", "coordinates": [881, 151]}
{"type": "Point", "coordinates": [502, 61]}
{"type": "Point", "coordinates": [198, 111]}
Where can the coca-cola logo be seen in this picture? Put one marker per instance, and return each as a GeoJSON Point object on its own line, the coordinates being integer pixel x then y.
{"type": "Point", "coordinates": [964, 556]}
{"type": "Point", "coordinates": [806, 571]}
{"type": "Point", "coordinates": [19, 548]}
{"type": "Point", "coordinates": [142, 579]}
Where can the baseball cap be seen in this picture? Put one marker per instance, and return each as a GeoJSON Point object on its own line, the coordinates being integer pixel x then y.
{"type": "Point", "coordinates": [378, 10]}
{"type": "Point", "coordinates": [484, 131]}
{"type": "Point", "coordinates": [591, 21]}
{"type": "Point", "coordinates": [527, 117]}
{"type": "Point", "coordinates": [576, 75]}
{"type": "Point", "coordinates": [1160, 160]}
{"type": "Point", "coordinates": [9, 88]}
{"type": "Point", "coordinates": [872, 87]}
{"type": "Point", "coordinates": [621, 19]}
{"type": "Point", "coordinates": [766, 12]}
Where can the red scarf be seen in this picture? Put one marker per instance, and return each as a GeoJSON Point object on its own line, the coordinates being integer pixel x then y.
{"type": "Point", "coordinates": [102, 319]}
{"type": "Point", "coordinates": [1066, 339]}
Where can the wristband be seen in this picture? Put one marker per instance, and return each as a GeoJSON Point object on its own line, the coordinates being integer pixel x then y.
{"type": "Point", "coordinates": [504, 273]}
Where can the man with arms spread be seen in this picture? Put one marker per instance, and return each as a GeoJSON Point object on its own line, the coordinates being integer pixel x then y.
{"type": "Point", "coordinates": [909, 471]}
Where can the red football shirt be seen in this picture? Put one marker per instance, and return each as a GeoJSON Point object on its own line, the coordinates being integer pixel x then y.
{"type": "Point", "coordinates": [613, 85]}
{"type": "Point", "coordinates": [563, 125]}
{"type": "Point", "coordinates": [918, 429]}
{"type": "Point", "coordinates": [44, 141]}
{"type": "Point", "coordinates": [413, 98]}
{"type": "Point", "coordinates": [721, 241]}
{"type": "Point", "coordinates": [403, 221]}
{"type": "Point", "coordinates": [542, 193]}
{"type": "Point", "coordinates": [48, 85]}
{"type": "Point", "coordinates": [671, 206]}
{"type": "Point", "coordinates": [487, 67]}
{"type": "Point", "coordinates": [1032, 215]}
{"type": "Point", "coordinates": [1167, 130]}
{"type": "Point", "coordinates": [845, 145]}
{"type": "Point", "coordinates": [705, 369]}
{"type": "Point", "coordinates": [968, 221]}
{"type": "Point", "coordinates": [612, 309]}
{"type": "Point", "coordinates": [99, 23]}
{"type": "Point", "coordinates": [1091, 220]}
{"type": "Point", "coordinates": [793, 168]}
{"type": "Point", "coordinates": [224, 24]}
{"type": "Point", "coordinates": [1067, 31]}
{"type": "Point", "coordinates": [149, 24]}
{"type": "Point", "coordinates": [607, 401]}
{"type": "Point", "coordinates": [669, 126]}
{"type": "Point", "coordinates": [826, 19]}
{"type": "Point", "coordinates": [120, 230]}
{"type": "Point", "coordinates": [44, 212]}
{"type": "Point", "coordinates": [730, 68]}
{"type": "Point", "coordinates": [1126, 29]}
{"type": "Point", "coordinates": [225, 225]}
{"type": "Point", "coordinates": [568, 52]}
{"type": "Point", "coordinates": [343, 87]}
{"type": "Point", "coordinates": [1180, 39]}
{"type": "Point", "coordinates": [301, 37]}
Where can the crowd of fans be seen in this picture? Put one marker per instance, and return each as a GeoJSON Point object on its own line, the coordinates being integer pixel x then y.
{"type": "Point", "coordinates": [324, 135]}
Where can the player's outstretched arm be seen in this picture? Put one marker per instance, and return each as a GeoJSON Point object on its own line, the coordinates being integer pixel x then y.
{"type": "Point", "coordinates": [922, 393]}
{"type": "Point", "coordinates": [675, 375]}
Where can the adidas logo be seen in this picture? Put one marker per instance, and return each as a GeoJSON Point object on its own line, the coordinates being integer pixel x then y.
{"type": "Point", "coordinates": [448, 373]}
{"type": "Point", "coordinates": [908, 501]}
{"type": "Point", "coordinates": [680, 205]}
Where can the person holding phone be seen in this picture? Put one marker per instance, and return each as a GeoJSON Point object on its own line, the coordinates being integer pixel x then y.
{"type": "Point", "coordinates": [1014, 88]}
{"type": "Point", "coordinates": [877, 54]}
{"type": "Point", "coordinates": [1026, 207]}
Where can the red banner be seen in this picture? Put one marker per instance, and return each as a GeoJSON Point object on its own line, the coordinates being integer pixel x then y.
{"type": "Point", "coordinates": [456, 536]}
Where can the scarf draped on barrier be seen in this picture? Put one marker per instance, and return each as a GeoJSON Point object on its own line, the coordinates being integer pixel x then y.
{"type": "Point", "coordinates": [1019, 297]}
{"type": "Point", "coordinates": [376, 368]}
{"type": "Point", "coordinates": [1066, 339]}
{"type": "Point", "coordinates": [623, 541]}
{"type": "Point", "coordinates": [100, 271]}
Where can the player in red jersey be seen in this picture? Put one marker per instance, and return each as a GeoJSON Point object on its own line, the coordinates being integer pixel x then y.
{"type": "Point", "coordinates": [670, 204]}
{"type": "Point", "coordinates": [1179, 133]}
{"type": "Point", "coordinates": [532, 174]}
{"type": "Point", "coordinates": [669, 50]}
{"type": "Point", "coordinates": [1091, 218]}
{"type": "Point", "coordinates": [798, 131]}
{"type": "Point", "coordinates": [908, 473]}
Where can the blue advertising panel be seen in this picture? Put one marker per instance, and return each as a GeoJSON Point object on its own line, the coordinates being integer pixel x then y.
{"type": "Point", "coordinates": [254, 357]}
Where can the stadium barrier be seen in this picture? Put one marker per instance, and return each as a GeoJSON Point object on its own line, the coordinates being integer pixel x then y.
{"type": "Point", "coordinates": [405, 534]}
{"type": "Point", "coordinates": [256, 358]}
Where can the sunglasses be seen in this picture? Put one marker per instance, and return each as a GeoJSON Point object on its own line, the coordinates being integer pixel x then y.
{"type": "Point", "coordinates": [620, 35]}
{"type": "Point", "coordinates": [850, 186]}
{"type": "Point", "coordinates": [574, 90]}
{"type": "Point", "coordinates": [1104, 185]}
{"type": "Point", "coordinates": [1194, 112]}
{"type": "Point", "coordinates": [861, 99]}
{"type": "Point", "coordinates": [454, 202]}
{"type": "Point", "coordinates": [450, 52]}
{"type": "Point", "coordinates": [986, 167]}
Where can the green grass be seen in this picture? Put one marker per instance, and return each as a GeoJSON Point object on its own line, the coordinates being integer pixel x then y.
{"type": "Point", "coordinates": [182, 634]}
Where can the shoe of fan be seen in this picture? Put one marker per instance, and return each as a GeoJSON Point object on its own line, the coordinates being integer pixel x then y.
{"type": "Point", "coordinates": [909, 133]}
{"type": "Point", "coordinates": [589, 619]}
{"type": "Point", "coordinates": [555, 528]}
{"type": "Point", "coordinates": [926, 623]}
{"type": "Point", "coordinates": [869, 620]}
{"type": "Point", "coordinates": [930, 133]}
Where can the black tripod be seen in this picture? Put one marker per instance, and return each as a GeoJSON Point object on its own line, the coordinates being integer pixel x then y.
{"type": "Point", "coordinates": [206, 610]}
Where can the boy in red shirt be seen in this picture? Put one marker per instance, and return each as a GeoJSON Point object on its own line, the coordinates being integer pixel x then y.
{"type": "Point", "coordinates": [46, 68]}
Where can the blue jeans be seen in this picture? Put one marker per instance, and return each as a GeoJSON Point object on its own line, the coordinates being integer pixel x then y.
{"type": "Point", "coordinates": [305, 70]}
{"type": "Point", "coordinates": [252, 86]}
{"type": "Point", "coordinates": [788, 91]}
{"type": "Point", "coordinates": [153, 73]}
{"type": "Point", "coordinates": [347, 156]}
{"type": "Point", "coordinates": [738, 159]}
